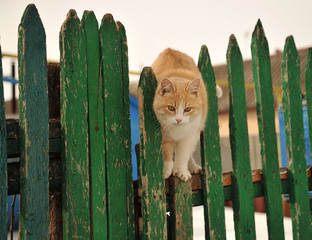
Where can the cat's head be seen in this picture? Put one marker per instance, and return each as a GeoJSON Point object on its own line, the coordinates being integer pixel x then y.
{"type": "Point", "coordinates": [177, 101]}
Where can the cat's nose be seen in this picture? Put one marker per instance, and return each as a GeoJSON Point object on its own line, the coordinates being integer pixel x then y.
{"type": "Point", "coordinates": [178, 120]}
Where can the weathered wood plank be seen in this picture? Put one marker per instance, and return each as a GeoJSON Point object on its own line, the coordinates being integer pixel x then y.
{"type": "Point", "coordinates": [243, 204]}
{"type": "Point", "coordinates": [74, 127]}
{"type": "Point", "coordinates": [127, 128]}
{"type": "Point", "coordinates": [151, 179]}
{"type": "Point", "coordinates": [3, 163]}
{"type": "Point", "coordinates": [267, 134]}
{"type": "Point", "coordinates": [181, 203]}
{"type": "Point", "coordinates": [291, 96]}
{"type": "Point", "coordinates": [116, 165]}
{"type": "Point", "coordinates": [33, 130]}
{"type": "Point", "coordinates": [96, 127]}
{"type": "Point", "coordinates": [213, 196]}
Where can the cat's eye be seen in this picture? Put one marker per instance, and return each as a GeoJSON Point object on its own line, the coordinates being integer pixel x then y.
{"type": "Point", "coordinates": [187, 109]}
{"type": "Point", "coordinates": [171, 108]}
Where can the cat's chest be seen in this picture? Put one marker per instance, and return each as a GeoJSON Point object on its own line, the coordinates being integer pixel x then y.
{"type": "Point", "coordinates": [177, 132]}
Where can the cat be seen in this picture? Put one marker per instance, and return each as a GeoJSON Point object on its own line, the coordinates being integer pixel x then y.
{"type": "Point", "coordinates": [180, 105]}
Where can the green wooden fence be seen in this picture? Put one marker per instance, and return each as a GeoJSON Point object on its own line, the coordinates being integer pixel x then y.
{"type": "Point", "coordinates": [99, 198]}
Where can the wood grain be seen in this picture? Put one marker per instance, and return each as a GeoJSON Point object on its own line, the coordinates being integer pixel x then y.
{"type": "Point", "coordinates": [33, 127]}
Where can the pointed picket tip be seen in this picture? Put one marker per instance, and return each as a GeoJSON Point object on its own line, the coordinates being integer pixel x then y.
{"type": "Point", "coordinates": [289, 44]}
{"type": "Point", "coordinates": [259, 42]}
{"type": "Point", "coordinates": [290, 53]}
{"type": "Point", "coordinates": [146, 73]}
{"type": "Point", "coordinates": [72, 19]}
{"type": "Point", "coordinates": [32, 18]}
{"type": "Point", "coordinates": [121, 28]}
{"type": "Point", "coordinates": [109, 28]}
{"type": "Point", "coordinates": [107, 19]}
{"type": "Point", "coordinates": [88, 16]}
{"type": "Point", "coordinates": [90, 24]}
{"type": "Point", "coordinates": [258, 31]}
{"type": "Point", "coordinates": [204, 50]}
{"type": "Point", "coordinates": [233, 48]}
{"type": "Point", "coordinates": [30, 11]}
{"type": "Point", "coordinates": [71, 14]}
{"type": "Point", "coordinates": [205, 66]}
{"type": "Point", "coordinates": [232, 42]}
{"type": "Point", "coordinates": [204, 55]}
{"type": "Point", "coordinates": [259, 23]}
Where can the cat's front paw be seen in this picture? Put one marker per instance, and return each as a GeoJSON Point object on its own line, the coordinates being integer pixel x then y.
{"type": "Point", "coordinates": [168, 165]}
{"type": "Point", "coordinates": [194, 168]}
{"type": "Point", "coordinates": [182, 173]}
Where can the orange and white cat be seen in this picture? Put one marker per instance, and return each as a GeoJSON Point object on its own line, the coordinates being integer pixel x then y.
{"type": "Point", "coordinates": [180, 105]}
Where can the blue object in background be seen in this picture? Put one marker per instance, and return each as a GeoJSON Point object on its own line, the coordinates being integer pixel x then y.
{"type": "Point", "coordinates": [10, 80]}
{"type": "Point", "coordinates": [135, 133]}
{"type": "Point", "coordinates": [16, 212]}
{"type": "Point", "coordinates": [283, 137]}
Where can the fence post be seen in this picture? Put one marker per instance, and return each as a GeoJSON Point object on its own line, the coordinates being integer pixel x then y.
{"type": "Point", "coordinates": [127, 128]}
{"type": "Point", "coordinates": [96, 128]}
{"type": "Point", "coordinates": [213, 194]}
{"type": "Point", "coordinates": [3, 163]}
{"type": "Point", "coordinates": [116, 163]}
{"type": "Point", "coordinates": [297, 174]}
{"type": "Point", "coordinates": [267, 134]}
{"type": "Point", "coordinates": [151, 179]}
{"type": "Point", "coordinates": [181, 204]}
{"type": "Point", "coordinates": [34, 130]}
{"type": "Point", "coordinates": [74, 127]}
{"type": "Point", "coordinates": [242, 188]}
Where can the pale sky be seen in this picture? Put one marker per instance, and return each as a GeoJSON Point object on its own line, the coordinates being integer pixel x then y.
{"type": "Point", "coordinates": [152, 26]}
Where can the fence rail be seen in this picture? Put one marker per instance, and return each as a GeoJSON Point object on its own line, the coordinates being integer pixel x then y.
{"type": "Point", "coordinates": [86, 154]}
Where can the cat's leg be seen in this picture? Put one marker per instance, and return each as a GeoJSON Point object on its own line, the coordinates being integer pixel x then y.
{"type": "Point", "coordinates": [167, 155]}
{"type": "Point", "coordinates": [193, 167]}
{"type": "Point", "coordinates": [183, 152]}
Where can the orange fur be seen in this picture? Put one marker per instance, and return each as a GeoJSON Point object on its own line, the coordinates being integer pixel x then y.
{"type": "Point", "coordinates": [177, 89]}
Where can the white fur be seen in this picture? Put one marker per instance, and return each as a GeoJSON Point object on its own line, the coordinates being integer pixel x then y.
{"type": "Point", "coordinates": [185, 135]}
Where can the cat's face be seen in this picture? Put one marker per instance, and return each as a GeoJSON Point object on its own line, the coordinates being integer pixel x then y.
{"type": "Point", "coordinates": [177, 101]}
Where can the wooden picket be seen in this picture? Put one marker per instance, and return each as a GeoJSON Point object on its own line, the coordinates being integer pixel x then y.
{"type": "Point", "coordinates": [114, 124]}
{"type": "Point", "coordinates": [96, 127]}
{"type": "Point", "coordinates": [3, 162]}
{"type": "Point", "coordinates": [243, 205]}
{"type": "Point", "coordinates": [75, 144]}
{"type": "Point", "coordinates": [151, 178]}
{"type": "Point", "coordinates": [266, 123]}
{"type": "Point", "coordinates": [127, 129]}
{"type": "Point", "coordinates": [100, 200]}
{"type": "Point", "coordinates": [33, 127]}
{"type": "Point", "coordinates": [292, 106]}
{"type": "Point", "coordinates": [213, 195]}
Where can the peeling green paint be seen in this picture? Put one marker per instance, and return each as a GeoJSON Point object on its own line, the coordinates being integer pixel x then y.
{"type": "Point", "coordinates": [267, 134]}
{"type": "Point", "coordinates": [213, 196]}
{"type": "Point", "coordinates": [33, 127]}
{"type": "Point", "coordinates": [242, 190]}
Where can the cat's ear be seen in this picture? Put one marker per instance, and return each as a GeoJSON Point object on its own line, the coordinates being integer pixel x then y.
{"type": "Point", "coordinates": [166, 86]}
{"type": "Point", "coordinates": [193, 86]}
